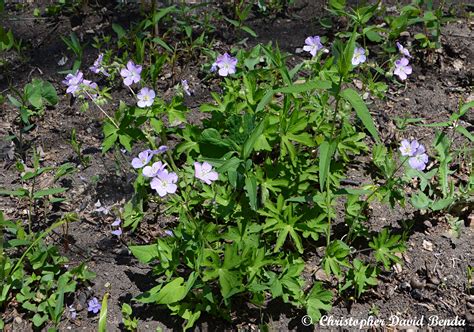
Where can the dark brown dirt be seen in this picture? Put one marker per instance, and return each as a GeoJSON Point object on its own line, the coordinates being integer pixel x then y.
{"type": "Point", "coordinates": [433, 92]}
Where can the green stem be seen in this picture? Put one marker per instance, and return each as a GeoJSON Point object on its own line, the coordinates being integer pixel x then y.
{"type": "Point", "coordinates": [328, 180]}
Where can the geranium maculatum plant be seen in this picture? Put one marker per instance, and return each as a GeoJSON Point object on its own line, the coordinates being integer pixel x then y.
{"type": "Point", "coordinates": [254, 188]}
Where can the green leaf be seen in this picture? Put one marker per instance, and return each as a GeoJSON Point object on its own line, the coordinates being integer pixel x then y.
{"type": "Point", "coordinates": [249, 144]}
{"type": "Point", "coordinates": [39, 320]}
{"type": "Point", "coordinates": [146, 253]}
{"type": "Point", "coordinates": [15, 193]}
{"type": "Point", "coordinates": [304, 87]}
{"type": "Point", "coordinates": [251, 190]}
{"type": "Point", "coordinates": [126, 141]}
{"type": "Point", "coordinates": [463, 131]}
{"type": "Point", "coordinates": [264, 101]}
{"type": "Point", "coordinates": [441, 204]}
{"type": "Point", "coordinates": [249, 31]}
{"type": "Point", "coordinates": [50, 191]}
{"type": "Point", "coordinates": [420, 201]}
{"type": "Point", "coordinates": [15, 102]}
{"type": "Point", "coordinates": [172, 292]}
{"type": "Point", "coordinates": [59, 305]}
{"type": "Point", "coordinates": [362, 111]}
{"type": "Point", "coordinates": [326, 151]}
{"type": "Point", "coordinates": [386, 246]}
{"type": "Point", "coordinates": [465, 107]}
{"type": "Point", "coordinates": [159, 14]}
{"type": "Point", "coordinates": [103, 314]}
{"type": "Point", "coordinates": [373, 36]}
{"type": "Point", "coordinates": [119, 30]}
{"type": "Point", "coordinates": [109, 142]}
{"type": "Point", "coordinates": [162, 43]}
{"type": "Point", "coordinates": [318, 299]}
{"type": "Point", "coordinates": [230, 282]}
{"type": "Point", "coordinates": [336, 256]}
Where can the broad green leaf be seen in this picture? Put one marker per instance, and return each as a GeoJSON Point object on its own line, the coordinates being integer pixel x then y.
{"type": "Point", "coordinates": [230, 282]}
{"type": "Point", "coordinates": [420, 201]}
{"type": "Point", "coordinates": [126, 141]}
{"type": "Point", "coordinates": [109, 142]}
{"type": "Point", "coordinates": [318, 299]}
{"type": "Point", "coordinates": [172, 292]}
{"type": "Point", "coordinates": [362, 111]}
{"type": "Point", "coordinates": [146, 253]}
{"type": "Point", "coordinates": [39, 320]}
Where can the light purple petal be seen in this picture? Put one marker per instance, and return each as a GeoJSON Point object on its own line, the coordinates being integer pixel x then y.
{"type": "Point", "coordinates": [117, 222]}
{"type": "Point", "coordinates": [117, 232]}
{"type": "Point", "coordinates": [137, 163]}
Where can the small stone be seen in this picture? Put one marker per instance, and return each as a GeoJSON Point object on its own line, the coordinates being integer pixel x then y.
{"type": "Point", "coordinates": [417, 284]}
{"type": "Point", "coordinates": [321, 275]}
{"type": "Point", "coordinates": [427, 245]}
{"type": "Point", "coordinates": [405, 286]}
{"type": "Point", "coordinates": [416, 294]}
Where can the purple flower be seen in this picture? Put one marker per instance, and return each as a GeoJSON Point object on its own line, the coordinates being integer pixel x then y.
{"type": "Point", "coordinates": [416, 151]}
{"type": "Point", "coordinates": [144, 158]}
{"type": "Point", "coordinates": [205, 173]}
{"type": "Point", "coordinates": [117, 222]}
{"type": "Point", "coordinates": [94, 305]}
{"type": "Point", "coordinates": [105, 210]}
{"type": "Point", "coordinates": [419, 161]}
{"type": "Point", "coordinates": [169, 233]}
{"type": "Point", "coordinates": [226, 64]}
{"type": "Point", "coordinates": [117, 232]}
{"type": "Point", "coordinates": [185, 85]}
{"type": "Point", "coordinates": [131, 74]}
{"type": "Point", "coordinates": [403, 50]}
{"type": "Point", "coordinates": [153, 170]}
{"type": "Point", "coordinates": [313, 45]}
{"type": "Point", "coordinates": [74, 82]}
{"type": "Point", "coordinates": [97, 67]}
{"type": "Point", "coordinates": [161, 149]}
{"type": "Point", "coordinates": [165, 183]}
{"type": "Point", "coordinates": [402, 68]}
{"type": "Point", "coordinates": [213, 67]}
{"type": "Point", "coordinates": [409, 148]}
{"type": "Point", "coordinates": [145, 97]}
{"type": "Point", "coordinates": [359, 56]}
